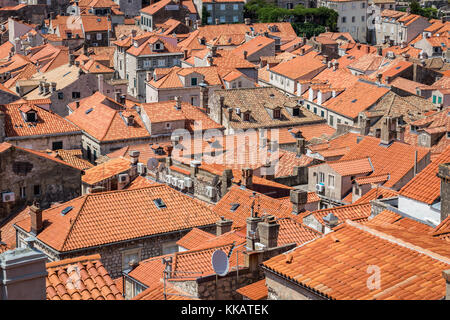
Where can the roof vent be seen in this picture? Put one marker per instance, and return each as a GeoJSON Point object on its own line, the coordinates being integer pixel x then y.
{"type": "Point", "coordinates": [89, 110]}
{"type": "Point", "coordinates": [66, 210]}
{"type": "Point", "coordinates": [159, 203]}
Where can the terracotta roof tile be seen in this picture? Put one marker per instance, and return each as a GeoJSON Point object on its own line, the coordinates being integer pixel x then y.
{"type": "Point", "coordinates": [107, 217]}
{"type": "Point", "coordinates": [377, 193]}
{"type": "Point", "coordinates": [426, 186]}
{"type": "Point", "coordinates": [106, 170]}
{"type": "Point", "coordinates": [82, 278]}
{"type": "Point", "coordinates": [194, 238]}
{"type": "Point", "coordinates": [255, 291]}
{"type": "Point", "coordinates": [343, 256]}
{"type": "Point", "coordinates": [352, 167]}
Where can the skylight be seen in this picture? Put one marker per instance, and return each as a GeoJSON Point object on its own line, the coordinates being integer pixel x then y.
{"type": "Point", "coordinates": [159, 203]}
{"type": "Point", "coordinates": [354, 100]}
{"type": "Point", "coordinates": [234, 207]}
{"type": "Point", "coordinates": [66, 210]}
{"type": "Point", "coordinates": [89, 110]}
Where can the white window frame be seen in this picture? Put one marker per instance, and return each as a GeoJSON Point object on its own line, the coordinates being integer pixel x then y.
{"type": "Point", "coordinates": [329, 180]}
{"type": "Point", "coordinates": [161, 62]}
{"type": "Point", "coordinates": [126, 253]}
{"type": "Point", "coordinates": [99, 36]}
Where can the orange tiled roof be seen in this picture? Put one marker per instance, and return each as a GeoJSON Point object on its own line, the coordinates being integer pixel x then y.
{"type": "Point", "coordinates": [156, 292]}
{"type": "Point", "coordinates": [352, 167]}
{"type": "Point", "coordinates": [108, 217]}
{"type": "Point", "coordinates": [356, 212]}
{"type": "Point", "coordinates": [171, 77]}
{"type": "Point", "coordinates": [336, 265]}
{"type": "Point", "coordinates": [426, 186]}
{"type": "Point", "coordinates": [397, 159]}
{"type": "Point", "coordinates": [141, 182]}
{"type": "Point", "coordinates": [72, 157]}
{"type": "Point", "coordinates": [153, 8]}
{"type": "Point", "coordinates": [81, 278]}
{"type": "Point", "coordinates": [106, 170]}
{"type": "Point", "coordinates": [377, 193]}
{"type": "Point", "coordinates": [255, 291]}
{"type": "Point", "coordinates": [300, 67]}
{"type": "Point", "coordinates": [8, 232]}
{"type": "Point", "coordinates": [194, 238]}
{"type": "Point", "coordinates": [442, 231]}
{"type": "Point", "coordinates": [254, 45]}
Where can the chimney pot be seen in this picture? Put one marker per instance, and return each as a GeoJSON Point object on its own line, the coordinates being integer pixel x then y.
{"type": "Point", "coordinates": [298, 198]}
{"type": "Point", "coordinates": [268, 232]}
{"type": "Point", "coordinates": [36, 218]}
{"type": "Point", "coordinates": [223, 226]}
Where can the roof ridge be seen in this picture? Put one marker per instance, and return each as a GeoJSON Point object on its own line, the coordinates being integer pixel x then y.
{"type": "Point", "coordinates": [73, 223]}
{"type": "Point", "coordinates": [399, 242]}
{"type": "Point", "coordinates": [60, 263]}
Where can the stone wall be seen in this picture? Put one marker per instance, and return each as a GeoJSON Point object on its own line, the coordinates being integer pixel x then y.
{"type": "Point", "coordinates": [22, 169]}
{"type": "Point", "coordinates": [281, 289]}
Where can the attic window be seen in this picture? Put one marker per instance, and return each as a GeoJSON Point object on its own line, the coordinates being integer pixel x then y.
{"type": "Point", "coordinates": [89, 110]}
{"type": "Point", "coordinates": [159, 203]}
{"type": "Point", "coordinates": [66, 210]}
{"type": "Point", "coordinates": [277, 113]}
{"type": "Point", "coordinates": [296, 112]}
{"type": "Point", "coordinates": [31, 116]}
{"type": "Point", "coordinates": [234, 207]}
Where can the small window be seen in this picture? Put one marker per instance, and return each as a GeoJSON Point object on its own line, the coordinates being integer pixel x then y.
{"type": "Point", "coordinates": [222, 7]}
{"type": "Point", "coordinates": [193, 81]}
{"type": "Point", "coordinates": [159, 203]}
{"type": "Point", "coordinates": [239, 84]}
{"type": "Point", "coordinates": [331, 120]}
{"type": "Point", "coordinates": [37, 190]}
{"type": "Point", "coordinates": [321, 177]}
{"type": "Point", "coordinates": [57, 145]}
{"type": "Point", "coordinates": [31, 117]}
{"type": "Point", "coordinates": [296, 112]}
{"type": "Point", "coordinates": [353, 19]}
{"type": "Point", "coordinates": [161, 62]}
{"type": "Point", "coordinates": [235, 7]}
{"type": "Point", "coordinates": [322, 113]}
{"type": "Point", "coordinates": [277, 114]}
{"type": "Point", "coordinates": [99, 36]}
{"type": "Point", "coordinates": [23, 192]}
{"type": "Point", "coordinates": [60, 95]}
{"type": "Point", "coordinates": [330, 180]}
{"type": "Point", "coordinates": [235, 19]}
{"type": "Point", "coordinates": [344, 19]}
{"type": "Point", "coordinates": [75, 95]}
{"type": "Point", "coordinates": [315, 110]}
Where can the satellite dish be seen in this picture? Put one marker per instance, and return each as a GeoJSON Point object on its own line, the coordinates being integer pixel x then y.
{"type": "Point", "coordinates": [219, 262]}
{"type": "Point", "coordinates": [152, 163]}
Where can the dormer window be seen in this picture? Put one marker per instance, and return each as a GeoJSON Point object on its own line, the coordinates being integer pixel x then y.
{"type": "Point", "coordinates": [194, 81]}
{"type": "Point", "coordinates": [277, 114]}
{"type": "Point", "coordinates": [247, 116]}
{"type": "Point", "coordinates": [296, 112]}
{"type": "Point", "coordinates": [31, 116]}
{"type": "Point", "coordinates": [158, 46]}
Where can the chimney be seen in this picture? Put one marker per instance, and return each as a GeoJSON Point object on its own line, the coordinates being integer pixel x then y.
{"type": "Point", "coordinates": [301, 146]}
{"type": "Point", "coordinates": [388, 79]}
{"type": "Point", "coordinates": [23, 272]}
{"type": "Point", "coordinates": [194, 168]}
{"type": "Point", "coordinates": [178, 102]}
{"type": "Point", "coordinates": [101, 84]}
{"type": "Point", "coordinates": [302, 51]}
{"type": "Point", "coordinates": [252, 231]}
{"type": "Point", "coordinates": [77, 104]}
{"type": "Point", "coordinates": [223, 226]}
{"type": "Point", "coordinates": [217, 21]}
{"type": "Point", "coordinates": [245, 53]}
{"type": "Point", "coordinates": [198, 23]}
{"type": "Point", "coordinates": [379, 76]}
{"type": "Point", "coordinates": [227, 178]}
{"type": "Point", "coordinates": [2, 126]}
{"type": "Point", "coordinates": [446, 275]}
{"type": "Point", "coordinates": [367, 49]}
{"type": "Point", "coordinates": [379, 51]}
{"type": "Point", "coordinates": [36, 218]}
{"type": "Point", "coordinates": [134, 156]}
{"type": "Point", "coordinates": [247, 21]}
{"type": "Point", "coordinates": [247, 177]}
{"type": "Point", "coordinates": [329, 64]}
{"type": "Point", "coordinates": [444, 174]}
{"type": "Point", "coordinates": [268, 232]}
{"type": "Point", "coordinates": [335, 65]}
{"type": "Point", "coordinates": [330, 221]}
{"type": "Point", "coordinates": [298, 198]}
{"type": "Point", "coordinates": [388, 132]}
{"type": "Point", "coordinates": [133, 33]}
{"type": "Point", "coordinates": [210, 61]}
{"type": "Point", "coordinates": [204, 97]}
{"type": "Point", "coordinates": [230, 114]}
{"type": "Point", "coordinates": [71, 59]}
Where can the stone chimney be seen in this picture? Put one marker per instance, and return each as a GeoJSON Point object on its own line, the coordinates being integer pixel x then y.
{"type": "Point", "coordinates": [53, 85]}
{"type": "Point", "coordinates": [388, 131]}
{"type": "Point", "coordinates": [149, 76]}
{"type": "Point", "coordinates": [335, 65]}
{"type": "Point", "coordinates": [444, 174]}
{"type": "Point", "coordinates": [364, 124]}
{"type": "Point", "coordinates": [217, 21]}
{"type": "Point", "coordinates": [134, 157]}
{"type": "Point", "coordinates": [268, 232]}
{"type": "Point", "coordinates": [298, 198]}
{"type": "Point", "coordinates": [446, 275]}
{"type": "Point", "coordinates": [379, 51]}
{"type": "Point", "coordinates": [195, 164]}
{"type": "Point", "coordinates": [178, 102]}
{"type": "Point", "coordinates": [71, 59]}
{"type": "Point", "coordinates": [301, 146]}
{"type": "Point", "coordinates": [230, 114]}
{"type": "Point", "coordinates": [22, 275]}
{"type": "Point", "coordinates": [245, 53]}
{"type": "Point", "coordinates": [204, 93]}
{"type": "Point", "coordinates": [227, 178]}
{"type": "Point", "coordinates": [223, 226]}
{"type": "Point", "coordinates": [2, 126]}
{"type": "Point", "coordinates": [36, 218]}
{"type": "Point", "coordinates": [330, 221]}
{"type": "Point", "coordinates": [133, 33]}
{"type": "Point", "coordinates": [379, 76]}
{"type": "Point", "coordinates": [252, 231]}
{"type": "Point", "coordinates": [117, 96]}
{"type": "Point", "coordinates": [101, 84]}
{"type": "Point", "coordinates": [247, 177]}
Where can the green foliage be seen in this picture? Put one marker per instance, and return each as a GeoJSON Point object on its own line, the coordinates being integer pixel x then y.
{"type": "Point", "coordinates": [430, 13]}
{"type": "Point", "coordinates": [311, 21]}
